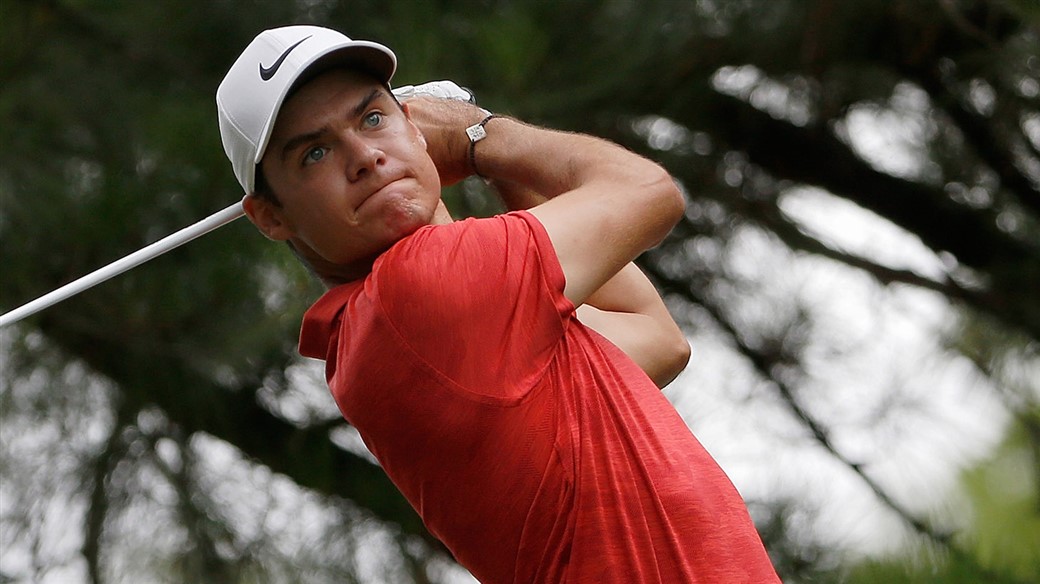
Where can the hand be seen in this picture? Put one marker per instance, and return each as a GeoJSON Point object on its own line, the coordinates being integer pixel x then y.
{"type": "Point", "coordinates": [443, 123]}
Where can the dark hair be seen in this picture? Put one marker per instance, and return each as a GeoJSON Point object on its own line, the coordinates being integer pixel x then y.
{"type": "Point", "coordinates": [262, 189]}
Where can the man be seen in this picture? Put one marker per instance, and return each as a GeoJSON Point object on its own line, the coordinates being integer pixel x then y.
{"type": "Point", "coordinates": [530, 436]}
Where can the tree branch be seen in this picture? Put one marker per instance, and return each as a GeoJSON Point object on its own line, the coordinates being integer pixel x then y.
{"type": "Point", "coordinates": [815, 156]}
{"type": "Point", "coordinates": [981, 135]}
{"type": "Point", "coordinates": [97, 512]}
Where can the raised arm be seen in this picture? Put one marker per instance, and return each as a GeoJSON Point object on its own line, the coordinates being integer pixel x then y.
{"type": "Point", "coordinates": [601, 206]}
{"type": "Point", "coordinates": [606, 205]}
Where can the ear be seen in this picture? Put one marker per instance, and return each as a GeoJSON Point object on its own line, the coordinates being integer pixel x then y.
{"type": "Point", "coordinates": [269, 218]}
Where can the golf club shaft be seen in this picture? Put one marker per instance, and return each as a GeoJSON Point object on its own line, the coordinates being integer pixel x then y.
{"type": "Point", "coordinates": [131, 261]}
{"type": "Point", "coordinates": [440, 89]}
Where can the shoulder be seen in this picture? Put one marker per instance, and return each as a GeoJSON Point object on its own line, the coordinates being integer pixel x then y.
{"type": "Point", "coordinates": [469, 273]}
{"type": "Point", "coordinates": [469, 250]}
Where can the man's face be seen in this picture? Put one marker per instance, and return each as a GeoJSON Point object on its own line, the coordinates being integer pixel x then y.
{"type": "Point", "coordinates": [349, 168]}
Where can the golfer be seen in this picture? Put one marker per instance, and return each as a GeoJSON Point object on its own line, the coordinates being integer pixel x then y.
{"type": "Point", "coordinates": [504, 371]}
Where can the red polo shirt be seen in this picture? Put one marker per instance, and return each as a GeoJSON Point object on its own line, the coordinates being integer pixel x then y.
{"type": "Point", "coordinates": [529, 444]}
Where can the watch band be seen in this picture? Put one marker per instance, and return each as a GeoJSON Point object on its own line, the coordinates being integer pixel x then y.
{"type": "Point", "coordinates": [476, 133]}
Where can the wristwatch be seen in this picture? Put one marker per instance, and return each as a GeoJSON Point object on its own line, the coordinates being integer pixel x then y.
{"type": "Point", "coordinates": [476, 133]}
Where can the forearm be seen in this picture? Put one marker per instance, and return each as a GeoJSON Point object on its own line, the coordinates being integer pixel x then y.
{"type": "Point", "coordinates": [629, 312]}
{"type": "Point", "coordinates": [521, 159]}
{"type": "Point", "coordinates": [517, 197]}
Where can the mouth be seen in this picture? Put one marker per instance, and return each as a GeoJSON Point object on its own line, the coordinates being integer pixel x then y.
{"type": "Point", "coordinates": [387, 189]}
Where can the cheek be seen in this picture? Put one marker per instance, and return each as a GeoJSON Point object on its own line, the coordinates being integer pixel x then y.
{"type": "Point", "coordinates": [428, 175]}
{"type": "Point", "coordinates": [317, 218]}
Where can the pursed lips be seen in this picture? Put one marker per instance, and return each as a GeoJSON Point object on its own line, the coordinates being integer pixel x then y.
{"type": "Point", "coordinates": [383, 189]}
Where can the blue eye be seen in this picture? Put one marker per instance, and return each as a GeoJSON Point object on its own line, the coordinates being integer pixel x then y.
{"type": "Point", "coordinates": [314, 155]}
{"type": "Point", "coordinates": [373, 119]}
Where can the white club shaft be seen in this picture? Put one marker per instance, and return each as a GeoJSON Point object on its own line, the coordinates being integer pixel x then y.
{"type": "Point", "coordinates": [441, 89]}
{"type": "Point", "coordinates": [218, 219]}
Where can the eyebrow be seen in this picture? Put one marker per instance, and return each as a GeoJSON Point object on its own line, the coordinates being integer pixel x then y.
{"type": "Point", "coordinates": [294, 142]}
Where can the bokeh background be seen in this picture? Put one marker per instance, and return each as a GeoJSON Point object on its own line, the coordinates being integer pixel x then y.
{"type": "Point", "coordinates": [858, 273]}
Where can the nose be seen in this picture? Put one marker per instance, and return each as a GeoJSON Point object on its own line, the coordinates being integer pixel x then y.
{"type": "Point", "coordinates": [363, 157]}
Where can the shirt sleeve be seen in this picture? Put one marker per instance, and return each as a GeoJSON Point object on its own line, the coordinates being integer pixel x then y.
{"type": "Point", "coordinates": [480, 301]}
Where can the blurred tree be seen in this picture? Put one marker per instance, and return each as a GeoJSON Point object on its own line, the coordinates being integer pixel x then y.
{"type": "Point", "coordinates": [170, 395]}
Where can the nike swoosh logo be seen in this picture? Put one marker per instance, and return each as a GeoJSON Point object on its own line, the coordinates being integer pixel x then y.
{"type": "Point", "coordinates": [266, 73]}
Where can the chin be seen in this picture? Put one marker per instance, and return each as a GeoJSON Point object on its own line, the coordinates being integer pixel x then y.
{"type": "Point", "coordinates": [407, 217]}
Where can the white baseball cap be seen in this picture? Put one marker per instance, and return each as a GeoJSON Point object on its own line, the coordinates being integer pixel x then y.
{"type": "Point", "coordinates": [278, 60]}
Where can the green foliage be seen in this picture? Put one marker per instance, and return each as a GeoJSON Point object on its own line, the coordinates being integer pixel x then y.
{"type": "Point", "coordinates": [1003, 535]}
{"type": "Point", "coordinates": [1005, 495]}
